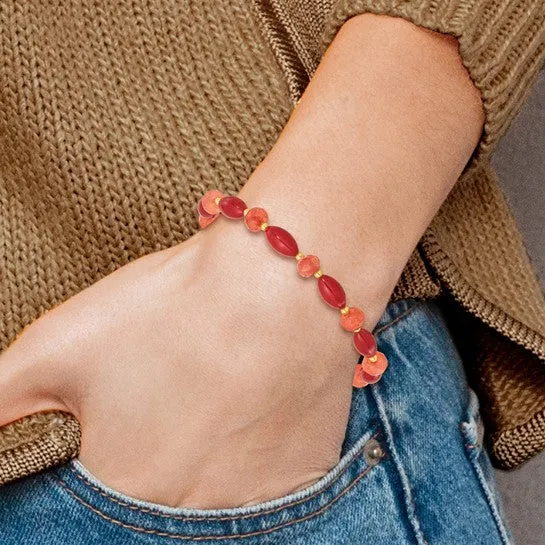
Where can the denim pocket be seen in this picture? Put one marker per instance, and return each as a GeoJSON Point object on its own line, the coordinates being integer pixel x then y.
{"type": "Point", "coordinates": [473, 435]}
{"type": "Point", "coordinates": [91, 498]}
{"type": "Point", "coordinates": [352, 499]}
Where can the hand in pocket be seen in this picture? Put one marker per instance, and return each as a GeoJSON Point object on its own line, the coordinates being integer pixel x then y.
{"type": "Point", "coordinates": [199, 377]}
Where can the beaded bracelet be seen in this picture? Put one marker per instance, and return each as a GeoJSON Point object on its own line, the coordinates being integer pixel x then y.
{"type": "Point", "coordinates": [371, 364]}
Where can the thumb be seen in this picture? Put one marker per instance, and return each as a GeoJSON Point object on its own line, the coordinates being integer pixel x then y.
{"type": "Point", "coordinates": [32, 379]}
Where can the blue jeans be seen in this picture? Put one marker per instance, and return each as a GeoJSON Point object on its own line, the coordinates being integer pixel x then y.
{"type": "Point", "coordinates": [413, 471]}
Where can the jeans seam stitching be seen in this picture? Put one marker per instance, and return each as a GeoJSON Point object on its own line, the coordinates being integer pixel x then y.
{"type": "Point", "coordinates": [205, 518]}
{"type": "Point", "coordinates": [406, 312]}
{"type": "Point", "coordinates": [161, 533]}
{"type": "Point", "coordinates": [407, 495]}
{"type": "Point", "coordinates": [476, 450]}
{"type": "Point", "coordinates": [491, 503]}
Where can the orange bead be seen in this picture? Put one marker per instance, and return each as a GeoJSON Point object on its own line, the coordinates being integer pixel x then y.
{"type": "Point", "coordinates": [375, 368]}
{"type": "Point", "coordinates": [358, 381]}
{"type": "Point", "coordinates": [205, 222]}
{"type": "Point", "coordinates": [353, 319]}
{"type": "Point", "coordinates": [254, 218]}
{"type": "Point", "coordinates": [308, 265]}
{"type": "Point", "coordinates": [202, 211]}
{"type": "Point", "coordinates": [208, 201]}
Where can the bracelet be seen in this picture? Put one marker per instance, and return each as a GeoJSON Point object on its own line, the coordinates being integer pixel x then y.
{"type": "Point", "coordinates": [371, 363]}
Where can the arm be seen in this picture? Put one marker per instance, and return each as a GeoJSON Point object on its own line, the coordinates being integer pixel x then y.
{"type": "Point", "coordinates": [380, 136]}
{"type": "Point", "coordinates": [501, 44]}
{"type": "Point", "coordinates": [224, 370]}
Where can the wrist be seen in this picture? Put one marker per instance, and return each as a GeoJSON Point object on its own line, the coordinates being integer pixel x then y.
{"type": "Point", "coordinates": [361, 168]}
{"type": "Point", "coordinates": [364, 256]}
{"type": "Point", "coordinates": [231, 258]}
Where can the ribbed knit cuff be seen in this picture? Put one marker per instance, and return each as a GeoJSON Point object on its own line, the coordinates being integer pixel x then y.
{"type": "Point", "coordinates": [37, 442]}
{"type": "Point", "coordinates": [501, 43]}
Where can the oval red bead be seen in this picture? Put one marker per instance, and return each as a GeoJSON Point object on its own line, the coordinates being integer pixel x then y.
{"type": "Point", "coordinates": [365, 343]}
{"type": "Point", "coordinates": [282, 241]}
{"type": "Point", "coordinates": [232, 207]}
{"type": "Point", "coordinates": [331, 291]}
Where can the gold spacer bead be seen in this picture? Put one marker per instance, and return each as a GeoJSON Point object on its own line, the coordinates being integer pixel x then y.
{"type": "Point", "coordinates": [217, 200]}
{"type": "Point", "coordinates": [264, 226]}
{"type": "Point", "coordinates": [373, 358]}
{"type": "Point", "coordinates": [299, 256]}
{"type": "Point", "coordinates": [318, 273]}
{"type": "Point", "coordinates": [345, 310]}
{"type": "Point", "coordinates": [356, 330]}
{"type": "Point", "coordinates": [246, 210]}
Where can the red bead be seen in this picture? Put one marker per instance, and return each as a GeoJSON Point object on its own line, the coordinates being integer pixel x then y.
{"type": "Point", "coordinates": [282, 241]}
{"type": "Point", "coordinates": [232, 207]}
{"type": "Point", "coordinates": [331, 291]}
{"type": "Point", "coordinates": [202, 211]}
{"type": "Point", "coordinates": [365, 343]}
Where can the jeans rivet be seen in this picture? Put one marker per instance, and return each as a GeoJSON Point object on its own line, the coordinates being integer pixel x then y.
{"type": "Point", "coordinates": [373, 452]}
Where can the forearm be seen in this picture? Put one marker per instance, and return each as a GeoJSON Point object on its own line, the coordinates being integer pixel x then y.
{"type": "Point", "coordinates": [379, 138]}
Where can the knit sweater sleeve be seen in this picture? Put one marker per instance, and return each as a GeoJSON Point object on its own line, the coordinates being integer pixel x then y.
{"type": "Point", "coordinates": [501, 43]}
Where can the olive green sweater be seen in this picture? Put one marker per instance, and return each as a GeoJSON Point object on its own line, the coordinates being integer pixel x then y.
{"type": "Point", "coordinates": [115, 118]}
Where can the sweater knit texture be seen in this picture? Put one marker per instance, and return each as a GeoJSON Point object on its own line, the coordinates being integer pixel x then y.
{"type": "Point", "coordinates": [116, 117]}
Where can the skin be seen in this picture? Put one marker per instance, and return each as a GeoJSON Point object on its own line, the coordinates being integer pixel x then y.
{"type": "Point", "coordinates": [210, 374]}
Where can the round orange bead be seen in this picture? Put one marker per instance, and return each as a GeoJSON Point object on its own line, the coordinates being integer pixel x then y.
{"type": "Point", "coordinates": [353, 319]}
{"type": "Point", "coordinates": [205, 222]}
{"type": "Point", "coordinates": [202, 211]}
{"type": "Point", "coordinates": [375, 368]}
{"type": "Point", "coordinates": [308, 265]}
{"type": "Point", "coordinates": [254, 218]}
{"type": "Point", "coordinates": [358, 381]}
{"type": "Point", "coordinates": [209, 201]}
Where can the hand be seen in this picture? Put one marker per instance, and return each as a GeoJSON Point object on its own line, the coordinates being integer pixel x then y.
{"type": "Point", "coordinates": [207, 375]}
{"type": "Point", "coordinates": [210, 375]}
